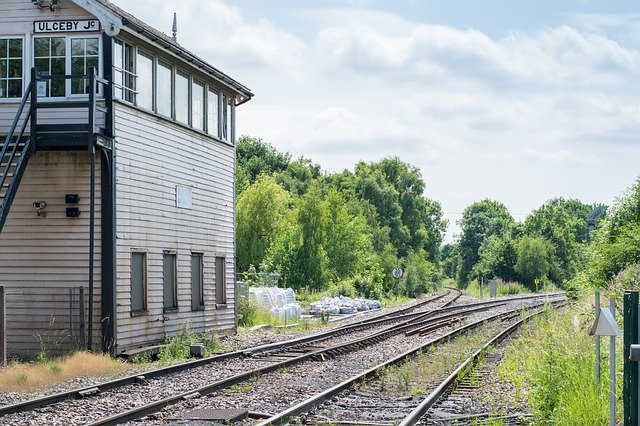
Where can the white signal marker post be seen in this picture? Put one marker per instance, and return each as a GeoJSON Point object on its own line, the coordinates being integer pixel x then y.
{"type": "Point", "coordinates": [605, 325]}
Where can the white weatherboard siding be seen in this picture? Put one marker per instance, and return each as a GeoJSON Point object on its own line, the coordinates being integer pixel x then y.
{"type": "Point", "coordinates": [153, 156]}
{"type": "Point", "coordinates": [43, 258]}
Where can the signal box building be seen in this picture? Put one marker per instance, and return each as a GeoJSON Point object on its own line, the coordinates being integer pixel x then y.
{"type": "Point", "coordinates": [117, 197]}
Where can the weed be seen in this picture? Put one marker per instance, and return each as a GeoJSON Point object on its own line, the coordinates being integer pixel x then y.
{"type": "Point", "coordinates": [404, 377]}
{"type": "Point", "coordinates": [55, 368]}
{"type": "Point", "coordinates": [22, 378]}
{"type": "Point", "coordinates": [417, 391]}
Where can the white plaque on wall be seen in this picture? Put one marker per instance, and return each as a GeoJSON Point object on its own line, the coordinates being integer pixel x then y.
{"type": "Point", "coordinates": [183, 197]}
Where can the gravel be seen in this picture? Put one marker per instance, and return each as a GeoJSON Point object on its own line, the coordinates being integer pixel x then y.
{"type": "Point", "coordinates": [270, 393]}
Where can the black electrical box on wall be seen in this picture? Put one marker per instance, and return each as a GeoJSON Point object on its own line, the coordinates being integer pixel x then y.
{"type": "Point", "coordinates": [73, 212]}
{"type": "Point", "coordinates": [71, 198]}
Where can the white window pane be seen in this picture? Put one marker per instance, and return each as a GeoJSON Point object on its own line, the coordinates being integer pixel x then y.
{"type": "Point", "coordinates": [144, 86]}
{"type": "Point", "coordinates": [197, 105]}
{"type": "Point", "coordinates": [165, 82]}
{"type": "Point", "coordinates": [182, 97]}
{"type": "Point", "coordinates": [213, 111]}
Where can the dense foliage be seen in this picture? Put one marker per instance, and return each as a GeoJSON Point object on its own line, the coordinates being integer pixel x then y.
{"type": "Point", "coordinates": [547, 247]}
{"type": "Point", "coordinates": [346, 230]}
{"type": "Point", "coordinates": [615, 249]}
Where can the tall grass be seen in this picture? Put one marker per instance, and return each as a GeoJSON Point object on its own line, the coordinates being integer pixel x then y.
{"type": "Point", "coordinates": [553, 363]}
{"type": "Point", "coordinates": [25, 377]}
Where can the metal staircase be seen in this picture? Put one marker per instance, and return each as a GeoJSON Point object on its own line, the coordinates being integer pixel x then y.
{"type": "Point", "coordinates": [19, 145]}
{"type": "Point", "coordinates": [14, 156]}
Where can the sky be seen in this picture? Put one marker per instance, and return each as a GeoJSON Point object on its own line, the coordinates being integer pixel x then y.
{"type": "Point", "coordinates": [516, 101]}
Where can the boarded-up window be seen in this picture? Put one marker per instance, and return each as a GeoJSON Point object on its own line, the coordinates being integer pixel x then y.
{"type": "Point", "coordinates": [169, 281]}
{"type": "Point", "coordinates": [197, 290]}
{"type": "Point", "coordinates": [138, 282]}
{"type": "Point", "coordinates": [221, 288]}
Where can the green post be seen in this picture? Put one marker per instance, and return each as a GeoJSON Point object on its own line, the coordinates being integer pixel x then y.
{"type": "Point", "coordinates": [630, 382]}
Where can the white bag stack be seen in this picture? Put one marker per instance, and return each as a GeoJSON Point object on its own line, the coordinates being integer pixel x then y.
{"type": "Point", "coordinates": [281, 302]}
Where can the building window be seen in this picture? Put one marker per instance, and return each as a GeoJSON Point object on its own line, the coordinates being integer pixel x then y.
{"type": "Point", "coordinates": [226, 119]}
{"type": "Point", "coordinates": [84, 56]}
{"type": "Point", "coordinates": [123, 75]}
{"type": "Point", "coordinates": [197, 105]}
{"type": "Point", "coordinates": [138, 282]}
{"type": "Point", "coordinates": [11, 68]}
{"type": "Point", "coordinates": [144, 80]}
{"type": "Point", "coordinates": [169, 282]}
{"type": "Point", "coordinates": [182, 97]}
{"type": "Point", "coordinates": [221, 288]}
{"type": "Point", "coordinates": [50, 59]}
{"type": "Point", "coordinates": [164, 87]}
{"type": "Point", "coordinates": [197, 280]}
{"type": "Point", "coordinates": [213, 113]}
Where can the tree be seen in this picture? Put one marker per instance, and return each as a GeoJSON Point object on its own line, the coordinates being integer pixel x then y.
{"type": "Point", "coordinates": [562, 223]}
{"type": "Point", "coordinates": [260, 212]}
{"type": "Point", "coordinates": [420, 275]}
{"type": "Point", "coordinates": [616, 243]}
{"type": "Point", "coordinates": [532, 261]}
{"type": "Point", "coordinates": [480, 220]}
{"type": "Point", "coordinates": [254, 158]}
{"type": "Point", "coordinates": [497, 258]}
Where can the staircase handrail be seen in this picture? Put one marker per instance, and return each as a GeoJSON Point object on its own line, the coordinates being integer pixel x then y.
{"type": "Point", "coordinates": [16, 120]}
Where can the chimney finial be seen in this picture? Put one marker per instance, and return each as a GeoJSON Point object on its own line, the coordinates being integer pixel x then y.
{"type": "Point", "coordinates": [175, 27]}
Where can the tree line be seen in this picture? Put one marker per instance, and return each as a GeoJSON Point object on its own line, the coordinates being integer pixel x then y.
{"type": "Point", "coordinates": [343, 231]}
{"type": "Point", "coordinates": [346, 231]}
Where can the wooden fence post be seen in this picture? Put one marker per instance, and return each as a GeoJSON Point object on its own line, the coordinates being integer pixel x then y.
{"type": "Point", "coordinates": [81, 317]}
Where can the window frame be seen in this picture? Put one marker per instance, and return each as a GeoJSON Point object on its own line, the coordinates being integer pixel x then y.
{"type": "Point", "coordinates": [25, 61]}
{"type": "Point", "coordinates": [152, 59]}
{"type": "Point", "coordinates": [126, 85]}
{"type": "Point", "coordinates": [182, 73]}
{"type": "Point", "coordinates": [220, 286]}
{"type": "Point", "coordinates": [173, 255]}
{"type": "Point", "coordinates": [200, 272]}
{"type": "Point", "coordinates": [212, 89]}
{"type": "Point", "coordinates": [145, 283]}
{"type": "Point", "coordinates": [203, 105]}
{"type": "Point", "coordinates": [67, 62]}
{"type": "Point", "coordinates": [160, 63]}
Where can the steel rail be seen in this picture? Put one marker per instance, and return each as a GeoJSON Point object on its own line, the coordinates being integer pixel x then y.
{"type": "Point", "coordinates": [469, 363]}
{"type": "Point", "coordinates": [153, 407]}
{"type": "Point", "coordinates": [305, 406]}
{"type": "Point", "coordinates": [136, 378]}
{"type": "Point", "coordinates": [159, 372]}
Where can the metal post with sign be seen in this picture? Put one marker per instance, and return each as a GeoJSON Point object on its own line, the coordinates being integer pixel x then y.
{"type": "Point", "coordinates": [605, 325]}
{"type": "Point", "coordinates": [397, 274]}
{"type": "Point", "coordinates": [631, 357]}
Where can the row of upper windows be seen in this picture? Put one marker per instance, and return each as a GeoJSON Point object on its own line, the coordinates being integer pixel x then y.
{"type": "Point", "coordinates": [156, 85]}
{"type": "Point", "coordinates": [139, 78]}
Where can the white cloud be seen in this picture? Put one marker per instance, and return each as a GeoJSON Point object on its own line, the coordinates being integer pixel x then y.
{"type": "Point", "coordinates": [561, 157]}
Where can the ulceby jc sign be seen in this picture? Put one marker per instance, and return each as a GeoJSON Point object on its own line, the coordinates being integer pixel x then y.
{"type": "Point", "coordinates": [66, 26]}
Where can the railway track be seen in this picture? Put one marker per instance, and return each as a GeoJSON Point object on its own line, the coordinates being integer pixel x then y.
{"type": "Point", "coordinates": [130, 399]}
{"type": "Point", "coordinates": [381, 319]}
{"type": "Point", "coordinates": [350, 402]}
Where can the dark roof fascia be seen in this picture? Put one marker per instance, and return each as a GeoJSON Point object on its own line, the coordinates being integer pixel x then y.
{"type": "Point", "coordinates": [155, 36]}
